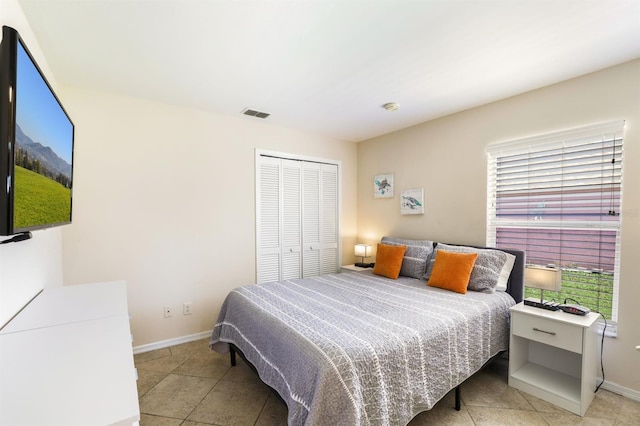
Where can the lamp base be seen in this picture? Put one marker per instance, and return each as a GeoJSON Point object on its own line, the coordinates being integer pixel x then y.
{"type": "Point", "coordinates": [543, 304]}
{"type": "Point", "coordinates": [364, 265]}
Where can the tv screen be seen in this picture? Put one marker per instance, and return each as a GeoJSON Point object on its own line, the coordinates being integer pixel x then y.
{"type": "Point", "coordinates": [37, 145]}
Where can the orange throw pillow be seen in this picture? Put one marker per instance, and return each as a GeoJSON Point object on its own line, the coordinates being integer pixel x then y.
{"type": "Point", "coordinates": [389, 260]}
{"type": "Point", "coordinates": [451, 271]}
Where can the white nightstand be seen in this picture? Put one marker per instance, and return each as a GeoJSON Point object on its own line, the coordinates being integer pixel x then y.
{"type": "Point", "coordinates": [553, 356]}
{"type": "Point", "coordinates": [352, 268]}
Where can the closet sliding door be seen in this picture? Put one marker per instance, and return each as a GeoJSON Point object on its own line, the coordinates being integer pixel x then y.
{"type": "Point", "coordinates": [297, 217]}
{"type": "Point", "coordinates": [291, 220]}
{"type": "Point", "coordinates": [320, 219]}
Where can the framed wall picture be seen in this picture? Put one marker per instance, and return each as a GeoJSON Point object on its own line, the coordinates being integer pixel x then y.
{"type": "Point", "coordinates": [412, 201]}
{"type": "Point", "coordinates": [383, 186]}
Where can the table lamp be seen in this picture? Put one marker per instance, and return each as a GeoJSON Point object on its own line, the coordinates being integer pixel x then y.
{"type": "Point", "coordinates": [362, 251]}
{"type": "Point", "coordinates": [543, 278]}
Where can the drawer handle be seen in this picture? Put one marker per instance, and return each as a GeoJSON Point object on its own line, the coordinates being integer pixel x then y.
{"type": "Point", "coordinates": [544, 331]}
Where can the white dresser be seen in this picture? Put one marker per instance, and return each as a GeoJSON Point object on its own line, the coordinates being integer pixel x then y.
{"type": "Point", "coordinates": [67, 359]}
{"type": "Point", "coordinates": [553, 356]}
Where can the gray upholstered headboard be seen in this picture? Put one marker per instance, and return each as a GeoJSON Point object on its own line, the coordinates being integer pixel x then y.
{"type": "Point", "coordinates": [515, 284]}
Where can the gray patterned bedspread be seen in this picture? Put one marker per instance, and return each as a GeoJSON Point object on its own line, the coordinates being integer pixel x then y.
{"type": "Point", "coordinates": [359, 349]}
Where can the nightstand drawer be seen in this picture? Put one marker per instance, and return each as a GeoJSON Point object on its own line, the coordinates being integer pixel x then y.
{"type": "Point", "coordinates": [547, 331]}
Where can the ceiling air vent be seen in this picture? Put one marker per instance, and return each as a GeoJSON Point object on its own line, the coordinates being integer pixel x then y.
{"type": "Point", "coordinates": [254, 113]}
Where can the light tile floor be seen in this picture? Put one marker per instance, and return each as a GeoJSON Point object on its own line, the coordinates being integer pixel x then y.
{"type": "Point", "coordinates": [189, 385]}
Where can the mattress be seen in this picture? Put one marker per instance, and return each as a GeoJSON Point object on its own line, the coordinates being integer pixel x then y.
{"type": "Point", "coordinates": [359, 349]}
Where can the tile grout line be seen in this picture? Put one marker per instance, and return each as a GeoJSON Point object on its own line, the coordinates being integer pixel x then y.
{"type": "Point", "coordinates": [262, 409]}
{"type": "Point", "coordinates": [167, 374]}
{"type": "Point", "coordinates": [200, 402]}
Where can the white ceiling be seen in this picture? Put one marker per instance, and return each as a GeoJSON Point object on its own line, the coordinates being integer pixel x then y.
{"type": "Point", "coordinates": [328, 66]}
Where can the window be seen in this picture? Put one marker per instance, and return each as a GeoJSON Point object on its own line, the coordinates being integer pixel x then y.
{"type": "Point", "coordinates": [558, 198]}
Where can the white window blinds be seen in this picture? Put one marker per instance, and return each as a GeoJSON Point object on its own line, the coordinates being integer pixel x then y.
{"type": "Point", "coordinates": [558, 197]}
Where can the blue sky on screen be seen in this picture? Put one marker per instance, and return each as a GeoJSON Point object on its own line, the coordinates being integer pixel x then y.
{"type": "Point", "coordinates": [37, 111]}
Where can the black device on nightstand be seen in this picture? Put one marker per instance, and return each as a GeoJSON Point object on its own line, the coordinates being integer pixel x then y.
{"type": "Point", "coordinates": [543, 304]}
{"type": "Point", "coordinates": [574, 309]}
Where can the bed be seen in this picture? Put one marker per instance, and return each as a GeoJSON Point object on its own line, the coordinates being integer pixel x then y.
{"type": "Point", "coordinates": [360, 348]}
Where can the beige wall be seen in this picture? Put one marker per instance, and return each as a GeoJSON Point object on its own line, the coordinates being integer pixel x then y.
{"type": "Point", "coordinates": [164, 198]}
{"type": "Point", "coordinates": [447, 157]}
{"type": "Point", "coordinates": [28, 266]}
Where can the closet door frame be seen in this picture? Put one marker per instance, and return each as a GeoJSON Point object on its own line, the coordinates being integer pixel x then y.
{"type": "Point", "coordinates": [259, 153]}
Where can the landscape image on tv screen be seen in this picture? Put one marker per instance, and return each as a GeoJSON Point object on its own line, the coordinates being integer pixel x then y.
{"type": "Point", "coordinates": [43, 152]}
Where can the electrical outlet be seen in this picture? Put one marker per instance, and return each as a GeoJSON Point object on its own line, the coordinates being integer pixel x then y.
{"type": "Point", "coordinates": [187, 308]}
{"type": "Point", "coordinates": [168, 311]}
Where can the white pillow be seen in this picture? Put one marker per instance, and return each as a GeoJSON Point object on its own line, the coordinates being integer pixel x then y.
{"type": "Point", "coordinates": [505, 272]}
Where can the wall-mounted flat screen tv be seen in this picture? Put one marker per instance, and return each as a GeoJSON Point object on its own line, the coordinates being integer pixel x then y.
{"type": "Point", "coordinates": [36, 144]}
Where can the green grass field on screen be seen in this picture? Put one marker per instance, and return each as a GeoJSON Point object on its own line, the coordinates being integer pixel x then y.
{"type": "Point", "coordinates": [39, 200]}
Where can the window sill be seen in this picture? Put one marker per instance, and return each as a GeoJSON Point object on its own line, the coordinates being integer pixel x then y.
{"type": "Point", "coordinates": [611, 331]}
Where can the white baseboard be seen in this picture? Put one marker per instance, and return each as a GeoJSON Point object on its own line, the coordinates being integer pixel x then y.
{"type": "Point", "coordinates": [171, 342]}
{"type": "Point", "coordinates": [621, 390]}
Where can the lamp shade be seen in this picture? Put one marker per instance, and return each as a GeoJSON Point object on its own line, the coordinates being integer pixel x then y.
{"type": "Point", "coordinates": [362, 250]}
{"type": "Point", "coordinates": [543, 278]}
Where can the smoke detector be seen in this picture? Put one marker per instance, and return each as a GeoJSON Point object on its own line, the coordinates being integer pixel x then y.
{"type": "Point", "coordinates": [391, 106]}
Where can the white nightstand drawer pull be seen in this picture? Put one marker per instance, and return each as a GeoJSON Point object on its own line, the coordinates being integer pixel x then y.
{"type": "Point", "coordinates": [544, 331]}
